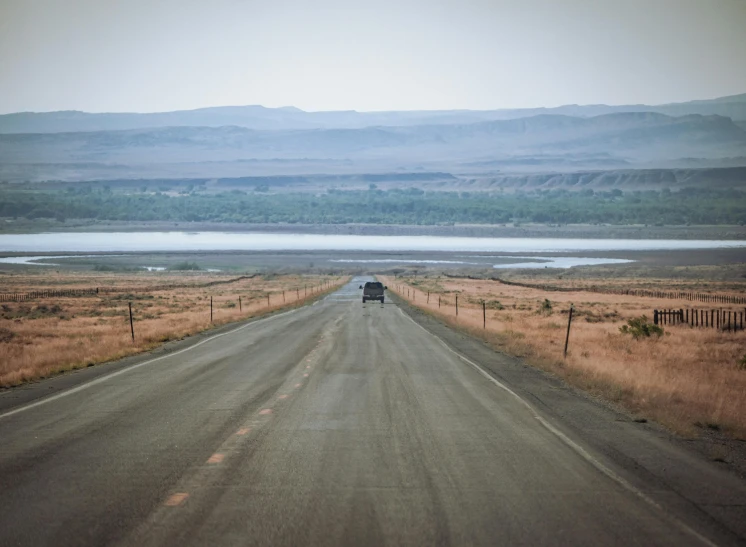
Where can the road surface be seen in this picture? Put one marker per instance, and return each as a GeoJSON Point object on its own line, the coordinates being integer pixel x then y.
{"type": "Point", "coordinates": [334, 424]}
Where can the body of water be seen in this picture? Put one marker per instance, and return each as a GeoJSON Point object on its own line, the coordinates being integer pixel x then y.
{"type": "Point", "coordinates": [88, 242]}
{"type": "Point", "coordinates": [124, 242]}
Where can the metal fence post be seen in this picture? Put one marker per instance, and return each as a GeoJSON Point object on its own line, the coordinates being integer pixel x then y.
{"type": "Point", "coordinates": [132, 325]}
{"type": "Point", "coordinates": [567, 337]}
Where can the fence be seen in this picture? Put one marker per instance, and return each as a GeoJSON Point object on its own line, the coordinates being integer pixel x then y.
{"type": "Point", "coordinates": [33, 295]}
{"type": "Point", "coordinates": [718, 319]}
{"type": "Point", "coordinates": [673, 295]}
{"type": "Point", "coordinates": [169, 286]}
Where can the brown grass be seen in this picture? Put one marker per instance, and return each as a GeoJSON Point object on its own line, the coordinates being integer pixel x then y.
{"type": "Point", "coordinates": [45, 337]}
{"type": "Point", "coordinates": [689, 379]}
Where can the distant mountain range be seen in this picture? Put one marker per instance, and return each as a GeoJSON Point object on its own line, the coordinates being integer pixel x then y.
{"type": "Point", "coordinates": [244, 141]}
{"type": "Point", "coordinates": [262, 118]}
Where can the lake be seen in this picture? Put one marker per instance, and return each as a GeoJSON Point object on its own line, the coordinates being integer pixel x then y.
{"type": "Point", "coordinates": [510, 249]}
{"type": "Point", "coordinates": [89, 242]}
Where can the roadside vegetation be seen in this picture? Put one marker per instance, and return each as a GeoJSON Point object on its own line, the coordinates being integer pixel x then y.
{"type": "Point", "coordinates": [43, 337]}
{"type": "Point", "coordinates": [694, 206]}
{"type": "Point", "coordinates": [689, 379]}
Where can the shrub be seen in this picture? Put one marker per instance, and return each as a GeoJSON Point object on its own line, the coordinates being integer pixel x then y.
{"type": "Point", "coordinates": [742, 363]}
{"type": "Point", "coordinates": [546, 307]}
{"type": "Point", "coordinates": [6, 335]}
{"type": "Point", "coordinates": [184, 266]}
{"type": "Point", "coordinates": [639, 327]}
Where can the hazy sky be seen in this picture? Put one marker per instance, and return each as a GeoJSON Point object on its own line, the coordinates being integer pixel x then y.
{"type": "Point", "coordinates": [155, 55]}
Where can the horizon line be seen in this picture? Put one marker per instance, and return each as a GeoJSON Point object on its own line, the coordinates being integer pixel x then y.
{"type": "Point", "coordinates": [290, 107]}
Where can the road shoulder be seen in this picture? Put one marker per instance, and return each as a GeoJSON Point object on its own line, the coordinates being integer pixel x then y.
{"type": "Point", "coordinates": [681, 475]}
{"type": "Point", "coordinates": [19, 396]}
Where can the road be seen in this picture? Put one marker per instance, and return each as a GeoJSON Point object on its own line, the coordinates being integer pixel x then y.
{"type": "Point", "coordinates": [334, 424]}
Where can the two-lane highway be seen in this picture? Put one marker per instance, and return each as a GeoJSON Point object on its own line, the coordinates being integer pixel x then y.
{"type": "Point", "coordinates": [334, 424]}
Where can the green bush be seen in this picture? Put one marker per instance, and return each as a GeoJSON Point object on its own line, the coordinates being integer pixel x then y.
{"type": "Point", "coordinates": [639, 327]}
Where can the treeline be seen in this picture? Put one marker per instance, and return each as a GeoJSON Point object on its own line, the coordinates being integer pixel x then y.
{"type": "Point", "coordinates": [375, 206]}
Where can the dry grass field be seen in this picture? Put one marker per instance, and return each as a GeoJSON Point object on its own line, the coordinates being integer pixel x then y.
{"type": "Point", "coordinates": [42, 337]}
{"type": "Point", "coordinates": [689, 379]}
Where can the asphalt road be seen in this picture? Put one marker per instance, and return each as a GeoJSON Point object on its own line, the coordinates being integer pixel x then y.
{"type": "Point", "coordinates": [334, 424]}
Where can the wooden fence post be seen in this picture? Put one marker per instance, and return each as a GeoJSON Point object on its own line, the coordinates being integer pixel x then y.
{"type": "Point", "coordinates": [456, 305]}
{"type": "Point", "coordinates": [484, 315]}
{"type": "Point", "coordinates": [567, 336]}
{"type": "Point", "coordinates": [428, 297]}
{"type": "Point", "coordinates": [655, 317]}
{"type": "Point", "coordinates": [132, 325]}
{"type": "Point", "coordinates": [239, 304]}
{"type": "Point", "coordinates": [211, 309]}
{"type": "Point", "coordinates": [438, 301]}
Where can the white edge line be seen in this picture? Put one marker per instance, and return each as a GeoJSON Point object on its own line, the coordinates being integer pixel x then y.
{"type": "Point", "coordinates": [130, 368]}
{"type": "Point", "coordinates": [569, 442]}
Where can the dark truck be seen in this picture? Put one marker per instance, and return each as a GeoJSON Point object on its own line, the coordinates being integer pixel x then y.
{"type": "Point", "coordinates": [373, 290]}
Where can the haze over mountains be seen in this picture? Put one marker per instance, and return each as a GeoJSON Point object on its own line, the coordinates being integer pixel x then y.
{"type": "Point", "coordinates": [259, 117]}
{"type": "Point", "coordinates": [253, 140]}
